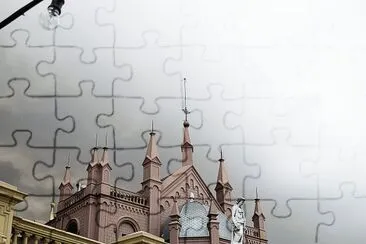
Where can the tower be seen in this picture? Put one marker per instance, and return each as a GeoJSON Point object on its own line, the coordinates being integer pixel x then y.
{"type": "Point", "coordinates": [99, 171]}
{"type": "Point", "coordinates": [258, 218]}
{"type": "Point", "coordinates": [98, 185]}
{"type": "Point", "coordinates": [65, 187]}
{"type": "Point", "coordinates": [151, 183]}
{"type": "Point", "coordinates": [223, 188]}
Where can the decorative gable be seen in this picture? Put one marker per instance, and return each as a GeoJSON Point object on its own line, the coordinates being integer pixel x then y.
{"type": "Point", "coordinates": [183, 183]}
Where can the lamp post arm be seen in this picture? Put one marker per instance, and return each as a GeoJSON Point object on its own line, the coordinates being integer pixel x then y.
{"type": "Point", "coordinates": [19, 12]}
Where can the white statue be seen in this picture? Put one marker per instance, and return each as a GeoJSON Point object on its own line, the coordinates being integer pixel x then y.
{"type": "Point", "coordinates": [239, 222]}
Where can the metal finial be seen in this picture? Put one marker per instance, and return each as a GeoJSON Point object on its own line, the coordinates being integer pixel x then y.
{"type": "Point", "coordinates": [96, 140]}
{"type": "Point", "coordinates": [256, 193]}
{"type": "Point", "coordinates": [185, 110]}
{"type": "Point", "coordinates": [221, 153]}
{"type": "Point", "coordinates": [106, 139]}
{"type": "Point", "coordinates": [68, 161]}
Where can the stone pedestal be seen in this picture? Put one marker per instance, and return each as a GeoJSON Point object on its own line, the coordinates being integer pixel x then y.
{"type": "Point", "coordinates": [9, 197]}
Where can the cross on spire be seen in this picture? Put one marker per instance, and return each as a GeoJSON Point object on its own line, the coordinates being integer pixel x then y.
{"type": "Point", "coordinates": [185, 109]}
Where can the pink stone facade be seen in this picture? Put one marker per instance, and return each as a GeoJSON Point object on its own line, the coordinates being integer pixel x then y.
{"type": "Point", "coordinates": [103, 212]}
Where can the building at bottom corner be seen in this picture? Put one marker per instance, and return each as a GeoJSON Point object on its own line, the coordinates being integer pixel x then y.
{"type": "Point", "coordinates": [179, 207]}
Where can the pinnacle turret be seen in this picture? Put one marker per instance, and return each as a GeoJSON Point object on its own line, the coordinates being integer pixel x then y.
{"type": "Point", "coordinates": [152, 149]}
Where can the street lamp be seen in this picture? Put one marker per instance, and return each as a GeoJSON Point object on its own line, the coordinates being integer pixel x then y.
{"type": "Point", "coordinates": [51, 18]}
{"type": "Point", "coordinates": [48, 20]}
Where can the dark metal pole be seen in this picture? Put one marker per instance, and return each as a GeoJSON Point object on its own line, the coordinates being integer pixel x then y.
{"type": "Point", "coordinates": [18, 13]}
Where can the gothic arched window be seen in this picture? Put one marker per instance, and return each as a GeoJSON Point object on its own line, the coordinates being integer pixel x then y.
{"type": "Point", "coordinates": [127, 228]}
{"type": "Point", "coordinates": [72, 227]}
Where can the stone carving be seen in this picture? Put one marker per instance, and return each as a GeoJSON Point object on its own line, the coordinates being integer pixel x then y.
{"type": "Point", "coordinates": [239, 222]}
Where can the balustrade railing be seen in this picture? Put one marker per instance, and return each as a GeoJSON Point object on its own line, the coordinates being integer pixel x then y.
{"type": "Point", "coordinates": [128, 196]}
{"type": "Point", "coordinates": [250, 241]}
{"type": "Point", "coordinates": [29, 232]}
{"type": "Point", "coordinates": [250, 231]}
{"type": "Point", "coordinates": [74, 198]}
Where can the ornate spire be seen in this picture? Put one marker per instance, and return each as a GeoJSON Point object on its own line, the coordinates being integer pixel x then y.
{"type": "Point", "coordinates": [105, 149]}
{"type": "Point", "coordinates": [95, 150]}
{"type": "Point", "coordinates": [152, 150]}
{"type": "Point", "coordinates": [258, 208]}
{"type": "Point", "coordinates": [222, 176]}
{"type": "Point", "coordinates": [67, 175]}
{"type": "Point", "coordinates": [186, 147]}
{"type": "Point", "coordinates": [258, 217]}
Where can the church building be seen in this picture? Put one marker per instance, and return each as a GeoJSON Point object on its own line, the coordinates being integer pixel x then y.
{"type": "Point", "coordinates": [180, 207]}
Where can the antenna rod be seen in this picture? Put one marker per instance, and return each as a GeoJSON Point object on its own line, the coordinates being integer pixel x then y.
{"type": "Point", "coordinates": [185, 110]}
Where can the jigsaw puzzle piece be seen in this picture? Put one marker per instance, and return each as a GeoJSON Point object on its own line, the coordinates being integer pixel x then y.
{"type": "Point", "coordinates": [85, 123]}
{"type": "Point", "coordinates": [235, 161]}
{"type": "Point", "coordinates": [331, 32]}
{"type": "Point", "coordinates": [294, 78]}
{"type": "Point", "coordinates": [227, 71]}
{"type": "Point", "coordinates": [349, 210]}
{"type": "Point", "coordinates": [38, 36]}
{"type": "Point", "coordinates": [301, 116]}
{"type": "Point", "coordinates": [22, 58]}
{"type": "Point", "coordinates": [84, 30]}
{"type": "Point", "coordinates": [214, 111]}
{"type": "Point", "coordinates": [17, 161]}
{"type": "Point", "coordinates": [68, 59]}
{"type": "Point", "coordinates": [36, 114]}
{"type": "Point", "coordinates": [131, 18]}
{"type": "Point", "coordinates": [117, 117]}
{"type": "Point", "coordinates": [56, 168]}
{"type": "Point", "coordinates": [267, 25]}
{"type": "Point", "coordinates": [150, 72]}
{"type": "Point", "coordinates": [336, 165]}
{"type": "Point", "coordinates": [213, 24]}
{"type": "Point", "coordinates": [303, 220]}
{"type": "Point", "coordinates": [172, 109]}
{"type": "Point", "coordinates": [280, 164]}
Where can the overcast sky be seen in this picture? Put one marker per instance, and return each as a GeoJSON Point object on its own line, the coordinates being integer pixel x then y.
{"type": "Point", "coordinates": [278, 85]}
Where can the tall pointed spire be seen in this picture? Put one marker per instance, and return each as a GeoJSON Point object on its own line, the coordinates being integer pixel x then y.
{"type": "Point", "coordinates": [258, 208]}
{"type": "Point", "coordinates": [222, 176]}
{"type": "Point", "coordinates": [95, 150]}
{"type": "Point", "coordinates": [258, 218]}
{"type": "Point", "coordinates": [223, 188]}
{"type": "Point", "coordinates": [67, 175]}
{"type": "Point", "coordinates": [186, 147]}
{"type": "Point", "coordinates": [105, 150]}
{"type": "Point", "coordinates": [152, 150]}
{"type": "Point", "coordinates": [151, 183]}
{"type": "Point", "coordinates": [65, 187]}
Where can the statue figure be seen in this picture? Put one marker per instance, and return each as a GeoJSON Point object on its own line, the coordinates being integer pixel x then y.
{"type": "Point", "coordinates": [239, 222]}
